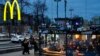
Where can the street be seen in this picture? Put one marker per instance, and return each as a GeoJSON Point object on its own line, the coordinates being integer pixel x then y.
{"type": "Point", "coordinates": [4, 42]}
{"type": "Point", "coordinates": [19, 53]}
{"type": "Point", "coordinates": [8, 45]}
{"type": "Point", "coordinates": [49, 28]}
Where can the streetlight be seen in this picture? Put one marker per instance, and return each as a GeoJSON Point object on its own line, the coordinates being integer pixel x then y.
{"type": "Point", "coordinates": [65, 6]}
{"type": "Point", "coordinates": [57, 6]}
{"type": "Point", "coordinates": [57, 14]}
{"type": "Point", "coordinates": [71, 12]}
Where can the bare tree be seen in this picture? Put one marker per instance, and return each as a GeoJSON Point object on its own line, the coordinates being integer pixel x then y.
{"type": "Point", "coordinates": [39, 13]}
{"type": "Point", "coordinates": [24, 3]}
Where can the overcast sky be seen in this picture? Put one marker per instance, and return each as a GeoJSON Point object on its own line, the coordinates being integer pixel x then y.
{"type": "Point", "coordinates": [79, 6]}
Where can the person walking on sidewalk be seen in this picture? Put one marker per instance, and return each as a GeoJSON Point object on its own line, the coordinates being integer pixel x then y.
{"type": "Point", "coordinates": [25, 45]}
{"type": "Point", "coordinates": [98, 49]}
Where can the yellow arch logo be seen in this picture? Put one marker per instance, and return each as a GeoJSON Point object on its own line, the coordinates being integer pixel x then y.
{"type": "Point", "coordinates": [11, 6]}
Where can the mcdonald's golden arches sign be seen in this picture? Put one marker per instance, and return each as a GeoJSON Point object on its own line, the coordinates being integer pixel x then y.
{"type": "Point", "coordinates": [11, 6]}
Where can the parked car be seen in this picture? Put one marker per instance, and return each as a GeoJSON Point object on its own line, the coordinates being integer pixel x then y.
{"type": "Point", "coordinates": [4, 37]}
{"type": "Point", "coordinates": [17, 38]}
{"type": "Point", "coordinates": [82, 28]}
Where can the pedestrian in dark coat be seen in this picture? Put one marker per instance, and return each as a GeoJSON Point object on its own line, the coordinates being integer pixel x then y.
{"type": "Point", "coordinates": [25, 45]}
{"type": "Point", "coordinates": [33, 42]}
{"type": "Point", "coordinates": [98, 49]}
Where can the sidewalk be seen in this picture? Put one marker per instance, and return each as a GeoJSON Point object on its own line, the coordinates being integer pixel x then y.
{"type": "Point", "coordinates": [18, 54]}
{"type": "Point", "coordinates": [4, 42]}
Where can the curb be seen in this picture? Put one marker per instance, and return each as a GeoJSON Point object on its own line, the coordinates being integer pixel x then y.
{"type": "Point", "coordinates": [10, 50]}
{"type": "Point", "coordinates": [7, 42]}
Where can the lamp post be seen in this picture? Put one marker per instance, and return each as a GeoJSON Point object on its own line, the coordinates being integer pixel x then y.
{"type": "Point", "coordinates": [57, 15]}
{"type": "Point", "coordinates": [65, 6]}
{"type": "Point", "coordinates": [44, 3]}
{"type": "Point", "coordinates": [40, 52]}
{"type": "Point", "coordinates": [71, 12]}
{"type": "Point", "coordinates": [57, 6]}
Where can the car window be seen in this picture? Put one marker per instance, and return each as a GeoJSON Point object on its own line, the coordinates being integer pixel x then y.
{"type": "Point", "coordinates": [20, 36]}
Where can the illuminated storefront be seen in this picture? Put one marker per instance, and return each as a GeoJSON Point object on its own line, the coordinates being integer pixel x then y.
{"type": "Point", "coordinates": [79, 37]}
